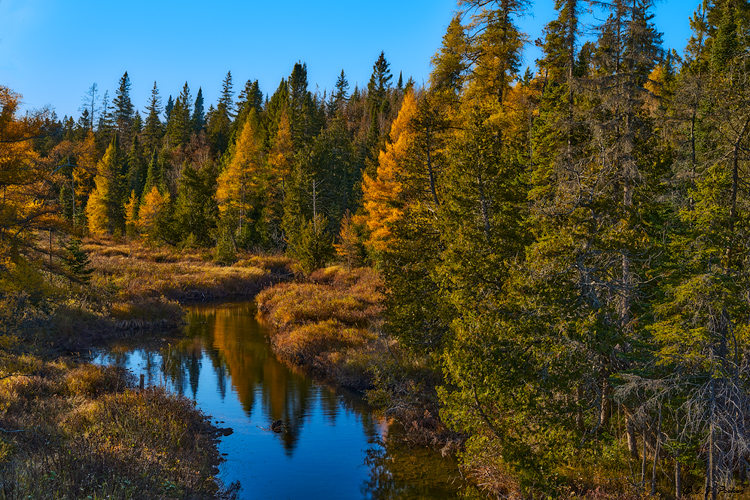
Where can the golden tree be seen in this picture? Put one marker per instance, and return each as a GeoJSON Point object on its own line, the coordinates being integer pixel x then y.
{"type": "Point", "coordinates": [384, 195]}
{"type": "Point", "coordinates": [26, 200]}
{"type": "Point", "coordinates": [241, 183]}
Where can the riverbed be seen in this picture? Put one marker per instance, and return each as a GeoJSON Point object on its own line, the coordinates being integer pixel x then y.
{"type": "Point", "coordinates": [292, 436]}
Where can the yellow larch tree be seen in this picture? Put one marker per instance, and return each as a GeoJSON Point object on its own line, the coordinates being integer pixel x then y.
{"type": "Point", "coordinates": [384, 195]}
{"type": "Point", "coordinates": [26, 200]}
{"type": "Point", "coordinates": [280, 156]}
{"type": "Point", "coordinates": [242, 182]}
{"type": "Point", "coordinates": [149, 212]}
{"type": "Point", "coordinates": [104, 210]}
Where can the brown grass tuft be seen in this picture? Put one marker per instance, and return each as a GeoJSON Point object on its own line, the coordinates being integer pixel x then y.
{"type": "Point", "coordinates": [328, 323]}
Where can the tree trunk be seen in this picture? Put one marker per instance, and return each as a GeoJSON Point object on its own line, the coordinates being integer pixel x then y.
{"type": "Point", "coordinates": [632, 440]}
{"type": "Point", "coordinates": [656, 455]}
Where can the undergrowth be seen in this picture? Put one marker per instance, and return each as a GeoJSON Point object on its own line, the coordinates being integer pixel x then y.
{"type": "Point", "coordinates": [329, 324]}
{"type": "Point", "coordinates": [70, 430]}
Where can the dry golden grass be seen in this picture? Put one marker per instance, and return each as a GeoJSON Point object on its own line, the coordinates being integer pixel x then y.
{"type": "Point", "coordinates": [70, 431]}
{"type": "Point", "coordinates": [135, 287]}
{"type": "Point", "coordinates": [130, 271]}
{"type": "Point", "coordinates": [329, 324]}
{"type": "Point", "coordinates": [74, 430]}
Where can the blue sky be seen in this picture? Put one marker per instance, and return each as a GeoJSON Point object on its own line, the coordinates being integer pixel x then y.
{"type": "Point", "coordinates": [51, 51]}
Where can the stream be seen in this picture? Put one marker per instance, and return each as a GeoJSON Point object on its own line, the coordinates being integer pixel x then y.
{"type": "Point", "coordinates": [331, 446]}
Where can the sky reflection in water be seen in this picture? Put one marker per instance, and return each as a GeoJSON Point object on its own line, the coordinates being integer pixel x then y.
{"type": "Point", "coordinates": [331, 447]}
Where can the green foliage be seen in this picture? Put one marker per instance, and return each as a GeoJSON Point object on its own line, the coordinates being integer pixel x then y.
{"type": "Point", "coordinates": [77, 261]}
{"type": "Point", "coordinates": [225, 252]}
{"type": "Point", "coordinates": [314, 246]}
{"type": "Point", "coordinates": [196, 211]}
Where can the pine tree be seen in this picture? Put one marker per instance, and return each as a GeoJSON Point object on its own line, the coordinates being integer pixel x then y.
{"type": "Point", "coordinates": [377, 100]}
{"type": "Point", "coordinates": [137, 168]}
{"type": "Point", "coordinates": [179, 126]}
{"type": "Point", "coordinates": [196, 211]}
{"type": "Point", "coordinates": [198, 119]}
{"type": "Point", "coordinates": [153, 129]}
{"type": "Point", "coordinates": [168, 109]}
{"type": "Point", "coordinates": [131, 215]}
{"type": "Point", "coordinates": [220, 120]}
{"type": "Point", "coordinates": [301, 107]}
{"type": "Point", "coordinates": [340, 95]}
{"type": "Point", "coordinates": [123, 109]}
{"type": "Point", "coordinates": [250, 98]}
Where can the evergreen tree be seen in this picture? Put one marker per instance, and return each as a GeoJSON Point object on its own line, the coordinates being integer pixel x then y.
{"type": "Point", "coordinates": [168, 109]}
{"type": "Point", "coordinates": [220, 120]}
{"type": "Point", "coordinates": [377, 99]}
{"type": "Point", "coordinates": [340, 95]}
{"type": "Point", "coordinates": [123, 108]}
{"type": "Point", "coordinates": [250, 98]}
{"type": "Point", "coordinates": [180, 126]}
{"type": "Point", "coordinates": [137, 168]}
{"type": "Point", "coordinates": [301, 108]}
{"type": "Point", "coordinates": [196, 211]}
{"type": "Point", "coordinates": [198, 119]}
{"type": "Point", "coordinates": [153, 129]}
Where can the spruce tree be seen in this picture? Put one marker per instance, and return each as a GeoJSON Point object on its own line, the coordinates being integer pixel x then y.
{"type": "Point", "coordinates": [198, 120]}
{"type": "Point", "coordinates": [123, 108]}
{"type": "Point", "coordinates": [180, 126]}
{"type": "Point", "coordinates": [153, 129]}
{"type": "Point", "coordinates": [219, 125]}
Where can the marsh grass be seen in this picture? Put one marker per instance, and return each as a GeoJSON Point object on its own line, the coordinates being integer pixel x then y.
{"type": "Point", "coordinates": [80, 431]}
{"type": "Point", "coordinates": [135, 270]}
{"type": "Point", "coordinates": [332, 323]}
{"type": "Point", "coordinates": [136, 288]}
{"type": "Point", "coordinates": [71, 430]}
{"type": "Point", "coordinates": [329, 324]}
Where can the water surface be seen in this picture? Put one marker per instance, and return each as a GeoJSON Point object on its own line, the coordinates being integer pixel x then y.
{"type": "Point", "coordinates": [332, 447]}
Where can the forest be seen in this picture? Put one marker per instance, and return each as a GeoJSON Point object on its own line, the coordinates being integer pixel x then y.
{"type": "Point", "coordinates": [569, 246]}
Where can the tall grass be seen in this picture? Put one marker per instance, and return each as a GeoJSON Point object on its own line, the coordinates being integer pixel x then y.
{"type": "Point", "coordinates": [74, 432]}
{"type": "Point", "coordinates": [134, 288]}
{"type": "Point", "coordinates": [329, 324]}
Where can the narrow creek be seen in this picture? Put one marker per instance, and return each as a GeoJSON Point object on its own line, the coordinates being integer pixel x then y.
{"type": "Point", "coordinates": [332, 445]}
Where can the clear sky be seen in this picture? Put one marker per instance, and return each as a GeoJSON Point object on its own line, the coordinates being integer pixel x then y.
{"type": "Point", "coordinates": [51, 51]}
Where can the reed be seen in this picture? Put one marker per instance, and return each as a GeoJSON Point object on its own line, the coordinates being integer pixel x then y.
{"type": "Point", "coordinates": [329, 324]}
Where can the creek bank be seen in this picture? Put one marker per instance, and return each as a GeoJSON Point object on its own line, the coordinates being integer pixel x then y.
{"type": "Point", "coordinates": [331, 325]}
{"type": "Point", "coordinates": [71, 429]}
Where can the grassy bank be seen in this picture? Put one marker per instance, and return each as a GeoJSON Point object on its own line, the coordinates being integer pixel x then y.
{"type": "Point", "coordinates": [135, 288]}
{"type": "Point", "coordinates": [331, 324]}
{"type": "Point", "coordinates": [72, 430]}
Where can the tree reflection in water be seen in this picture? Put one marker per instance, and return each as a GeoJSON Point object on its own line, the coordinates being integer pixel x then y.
{"type": "Point", "coordinates": [230, 341]}
{"type": "Point", "coordinates": [402, 472]}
